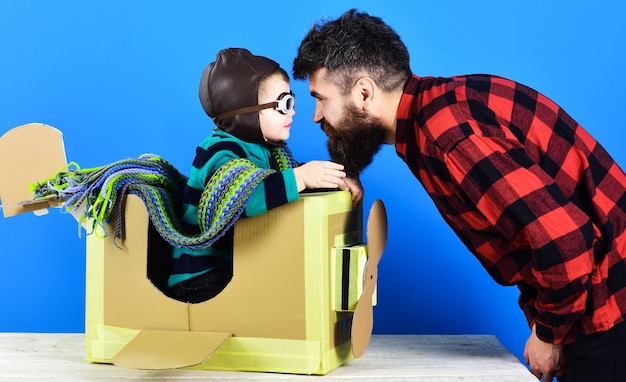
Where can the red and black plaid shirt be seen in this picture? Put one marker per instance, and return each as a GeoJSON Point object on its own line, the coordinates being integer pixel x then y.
{"type": "Point", "coordinates": [530, 193]}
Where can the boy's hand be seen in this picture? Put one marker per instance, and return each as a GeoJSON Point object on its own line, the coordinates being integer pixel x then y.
{"type": "Point", "coordinates": [319, 174]}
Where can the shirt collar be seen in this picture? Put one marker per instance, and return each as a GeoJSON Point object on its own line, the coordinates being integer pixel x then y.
{"type": "Point", "coordinates": [404, 115]}
{"type": "Point", "coordinates": [406, 101]}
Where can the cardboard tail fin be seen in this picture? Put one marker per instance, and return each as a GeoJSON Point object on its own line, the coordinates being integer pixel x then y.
{"type": "Point", "coordinates": [28, 153]}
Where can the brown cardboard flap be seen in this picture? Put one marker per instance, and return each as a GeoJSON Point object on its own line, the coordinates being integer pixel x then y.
{"type": "Point", "coordinates": [363, 321]}
{"type": "Point", "coordinates": [29, 154]}
{"type": "Point", "coordinates": [162, 349]}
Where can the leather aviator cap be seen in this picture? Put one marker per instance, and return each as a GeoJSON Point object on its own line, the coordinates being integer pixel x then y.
{"type": "Point", "coordinates": [231, 83]}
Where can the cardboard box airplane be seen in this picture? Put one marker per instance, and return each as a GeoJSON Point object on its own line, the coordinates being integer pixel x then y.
{"type": "Point", "coordinates": [300, 300]}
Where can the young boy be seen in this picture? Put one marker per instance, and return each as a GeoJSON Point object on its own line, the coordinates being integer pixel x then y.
{"type": "Point", "coordinates": [249, 99]}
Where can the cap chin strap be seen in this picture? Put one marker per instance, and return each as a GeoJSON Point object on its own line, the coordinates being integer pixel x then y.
{"type": "Point", "coordinates": [246, 110]}
{"type": "Point", "coordinates": [275, 143]}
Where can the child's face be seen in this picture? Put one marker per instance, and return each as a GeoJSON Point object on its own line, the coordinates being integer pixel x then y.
{"type": "Point", "coordinates": [275, 125]}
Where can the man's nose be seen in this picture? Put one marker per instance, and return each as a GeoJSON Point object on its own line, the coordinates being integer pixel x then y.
{"type": "Point", "coordinates": [317, 115]}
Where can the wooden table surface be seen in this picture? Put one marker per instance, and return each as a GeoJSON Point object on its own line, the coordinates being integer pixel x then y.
{"type": "Point", "coordinates": [471, 358]}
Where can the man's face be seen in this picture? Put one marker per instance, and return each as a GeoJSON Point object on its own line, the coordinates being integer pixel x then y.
{"type": "Point", "coordinates": [354, 137]}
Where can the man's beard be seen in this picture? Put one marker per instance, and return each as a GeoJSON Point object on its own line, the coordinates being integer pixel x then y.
{"type": "Point", "coordinates": [355, 143]}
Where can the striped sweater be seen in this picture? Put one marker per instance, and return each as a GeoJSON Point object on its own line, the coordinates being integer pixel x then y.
{"type": "Point", "coordinates": [213, 152]}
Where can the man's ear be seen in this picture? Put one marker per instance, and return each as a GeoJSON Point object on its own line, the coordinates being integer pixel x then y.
{"type": "Point", "coordinates": [364, 92]}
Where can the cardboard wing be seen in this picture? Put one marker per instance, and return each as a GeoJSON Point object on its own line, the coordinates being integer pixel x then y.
{"type": "Point", "coordinates": [28, 153]}
{"type": "Point", "coordinates": [167, 349]}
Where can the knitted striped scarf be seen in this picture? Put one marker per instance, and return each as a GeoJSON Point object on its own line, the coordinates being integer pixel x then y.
{"type": "Point", "coordinates": [101, 191]}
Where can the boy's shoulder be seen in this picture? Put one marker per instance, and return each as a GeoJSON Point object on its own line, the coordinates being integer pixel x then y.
{"type": "Point", "coordinates": [218, 136]}
{"type": "Point", "coordinates": [220, 140]}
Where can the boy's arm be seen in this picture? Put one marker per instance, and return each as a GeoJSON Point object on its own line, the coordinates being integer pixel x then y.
{"type": "Point", "coordinates": [284, 186]}
{"type": "Point", "coordinates": [274, 191]}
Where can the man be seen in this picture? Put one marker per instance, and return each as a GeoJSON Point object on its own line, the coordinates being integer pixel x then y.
{"type": "Point", "coordinates": [529, 192]}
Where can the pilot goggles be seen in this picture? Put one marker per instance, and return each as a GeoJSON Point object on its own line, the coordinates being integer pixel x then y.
{"type": "Point", "coordinates": [284, 104]}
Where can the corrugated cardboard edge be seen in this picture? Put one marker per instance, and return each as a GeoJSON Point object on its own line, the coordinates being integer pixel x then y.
{"type": "Point", "coordinates": [28, 153]}
{"type": "Point", "coordinates": [162, 349]}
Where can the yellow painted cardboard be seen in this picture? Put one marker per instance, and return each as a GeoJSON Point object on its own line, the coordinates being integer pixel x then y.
{"type": "Point", "coordinates": [277, 306]}
{"type": "Point", "coordinates": [276, 314]}
{"type": "Point", "coordinates": [348, 265]}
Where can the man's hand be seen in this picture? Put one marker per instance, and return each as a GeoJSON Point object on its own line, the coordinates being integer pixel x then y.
{"type": "Point", "coordinates": [356, 189]}
{"type": "Point", "coordinates": [545, 359]}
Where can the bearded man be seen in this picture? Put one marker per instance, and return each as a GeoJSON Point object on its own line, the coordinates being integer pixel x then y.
{"type": "Point", "coordinates": [529, 192]}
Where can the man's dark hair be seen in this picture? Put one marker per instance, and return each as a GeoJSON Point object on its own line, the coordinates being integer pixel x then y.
{"type": "Point", "coordinates": [351, 46]}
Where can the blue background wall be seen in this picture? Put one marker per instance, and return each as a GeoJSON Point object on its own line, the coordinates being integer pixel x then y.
{"type": "Point", "coordinates": [119, 78]}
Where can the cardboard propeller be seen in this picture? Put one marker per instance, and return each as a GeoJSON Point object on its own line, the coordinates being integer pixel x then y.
{"type": "Point", "coordinates": [363, 320]}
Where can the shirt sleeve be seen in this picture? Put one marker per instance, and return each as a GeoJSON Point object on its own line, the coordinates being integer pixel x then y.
{"type": "Point", "coordinates": [275, 190]}
{"type": "Point", "coordinates": [527, 207]}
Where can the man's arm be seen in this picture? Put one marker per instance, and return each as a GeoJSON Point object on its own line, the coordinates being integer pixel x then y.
{"type": "Point", "coordinates": [546, 360]}
{"type": "Point", "coordinates": [527, 207]}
